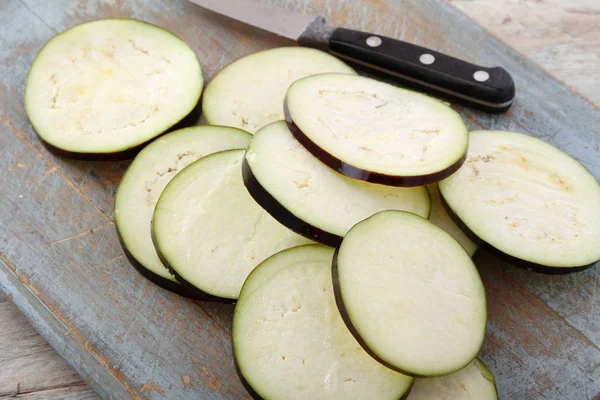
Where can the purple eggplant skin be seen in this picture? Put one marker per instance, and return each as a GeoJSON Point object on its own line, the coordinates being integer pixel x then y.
{"type": "Point", "coordinates": [249, 389]}
{"type": "Point", "coordinates": [189, 120]}
{"type": "Point", "coordinates": [517, 262]}
{"type": "Point", "coordinates": [281, 214]}
{"type": "Point", "coordinates": [364, 175]}
{"type": "Point", "coordinates": [188, 287]}
{"type": "Point", "coordinates": [154, 278]}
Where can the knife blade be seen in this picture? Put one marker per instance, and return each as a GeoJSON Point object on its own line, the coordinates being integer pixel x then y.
{"type": "Point", "coordinates": [490, 89]}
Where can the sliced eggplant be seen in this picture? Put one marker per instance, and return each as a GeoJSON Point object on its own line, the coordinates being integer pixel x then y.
{"type": "Point", "coordinates": [529, 202]}
{"type": "Point", "coordinates": [146, 179]}
{"type": "Point", "coordinates": [376, 132]}
{"type": "Point", "coordinates": [107, 86]}
{"type": "Point", "coordinates": [308, 197]}
{"type": "Point", "coordinates": [410, 294]}
{"type": "Point", "coordinates": [210, 233]}
{"type": "Point", "coordinates": [473, 382]}
{"type": "Point", "coordinates": [249, 92]}
{"type": "Point", "coordinates": [290, 342]}
{"type": "Point", "coordinates": [440, 217]}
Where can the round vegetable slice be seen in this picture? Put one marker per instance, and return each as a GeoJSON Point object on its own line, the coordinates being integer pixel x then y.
{"type": "Point", "coordinates": [532, 204]}
{"type": "Point", "coordinates": [410, 294]}
{"type": "Point", "coordinates": [146, 179]}
{"type": "Point", "coordinates": [290, 341]}
{"type": "Point", "coordinates": [376, 132]}
{"type": "Point", "coordinates": [108, 86]}
{"type": "Point", "coordinates": [473, 382]}
{"type": "Point", "coordinates": [208, 230]}
{"type": "Point", "coordinates": [308, 197]}
{"type": "Point", "coordinates": [440, 217]}
{"type": "Point", "coordinates": [249, 92]}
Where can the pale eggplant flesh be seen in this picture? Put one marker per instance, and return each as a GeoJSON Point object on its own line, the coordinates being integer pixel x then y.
{"type": "Point", "coordinates": [423, 281]}
{"type": "Point", "coordinates": [144, 181]}
{"type": "Point", "coordinates": [209, 231]}
{"type": "Point", "coordinates": [311, 199]}
{"type": "Point", "coordinates": [376, 132]}
{"type": "Point", "coordinates": [286, 329]}
{"type": "Point", "coordinates": [527, 202]}
{"type": "Point", "coordinates": [102, 89]}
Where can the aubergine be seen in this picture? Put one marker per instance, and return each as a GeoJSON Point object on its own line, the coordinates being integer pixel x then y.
{"type": "Point", "coordinates": [410, 294]}
{"type": "Point", "coordinates": [473, 382]}
{"type": "Point", "coordinates": [105, 87]}
{"type": "Point", "coordinates": [527, 201]}
{"type": "Point", "coordinates": [290, 342]}
{"type": "Point", "coordinates": [144, 182]}
{"type": "Point", "coordinates": [210, 233]}
{"type": "Point", "coordinates": [376, 132]}
{"type": "Point", "coordinates": [311, 199]}
{"type": "Point", "coordinates": [439, 216]}
{"type": "Point", "coordinates": [248, 93]}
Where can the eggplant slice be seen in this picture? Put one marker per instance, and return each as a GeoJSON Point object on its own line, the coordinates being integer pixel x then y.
{"type": "Point", "coordinates": [440, 217]}
{"type": "Point", "coordinates": [107, 86]}
{"type": "Point", "coordinates": [410, 294]}
{"type": "Point", "coordinates": [290, 342]}
{"type": "Point", "coordinates": [249, 92]}
{"type": "Point", "coordinates": [376, 132]}
{"type": "Point", "coordinates": [308, 197]}
{"type": "Point", "coordinates": [144, 182]}
{"type": "Point", "coordinates": [473, 382]}
{"type": "Point", "coordinates": [531, 204]}
{"type": "Point", "coordinates": [210, 233]}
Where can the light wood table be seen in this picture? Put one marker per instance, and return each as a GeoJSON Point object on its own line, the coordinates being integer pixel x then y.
{"type": "Point", "coordinates": [563, 36]}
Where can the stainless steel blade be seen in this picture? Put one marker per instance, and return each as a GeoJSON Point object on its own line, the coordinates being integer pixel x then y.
{"type": "Point", "coordinates": [277, 20]}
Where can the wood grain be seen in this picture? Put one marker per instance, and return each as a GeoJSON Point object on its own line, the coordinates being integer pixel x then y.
{"type": "Point", "coordinates": [62, 263]}
{"type": "Point", "coordinates": [27, 362]}
{"type": "Point", "coordinates": [563, 36]}
{"type": "Point", "coordinates": [525, 334]}
{"type": "Point", "coordinates": [69, 393]}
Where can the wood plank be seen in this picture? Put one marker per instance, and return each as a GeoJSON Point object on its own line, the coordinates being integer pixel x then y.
{"type": "Point", "coordinates": [69, 393]}
{"type": "Point", "coordinates": [59, 337]}
{"type": "Point", "coordinates": [554, 360]}
{"type": "Point", "coordinates": [27, 361]}
{"type": "Point", "coordinates": [563, 36]}
{"type": "Point", "coordinates": [573, 298]}
{"type": "Point", "coordinates": [154, 344]}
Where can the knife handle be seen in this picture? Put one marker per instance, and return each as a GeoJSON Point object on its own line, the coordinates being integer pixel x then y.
{"type": "Point", "coordinates": [491, 89]}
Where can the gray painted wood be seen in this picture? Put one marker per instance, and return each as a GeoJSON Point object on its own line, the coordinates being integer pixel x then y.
{"type": "Point", "coordinates": [64, 267]}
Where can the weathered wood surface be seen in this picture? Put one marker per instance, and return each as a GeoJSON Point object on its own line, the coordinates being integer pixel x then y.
{"type": "Point", "coordinates": [68, 393]}
{"type": "Point", "coordinates": [27, 362]}
{"type": "Point", "coordinates": [62, 263]}
{"type": "Point", "coordinates": [563, 36]}
{"type": "Point", "coordinates": [523, 25]}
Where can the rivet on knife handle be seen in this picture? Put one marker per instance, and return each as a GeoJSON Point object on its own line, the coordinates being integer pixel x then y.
{"type": "Point", "coordinates": [492, 89]}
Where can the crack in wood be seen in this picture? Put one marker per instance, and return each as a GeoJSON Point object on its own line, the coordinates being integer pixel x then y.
{"type": "Point", "coordinates": [18, 392]}
{"type": "Point", "coordinates": [80, 234]}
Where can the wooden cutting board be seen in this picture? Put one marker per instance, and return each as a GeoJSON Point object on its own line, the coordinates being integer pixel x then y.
{"type": "Point", "coordinates": [63, 266]}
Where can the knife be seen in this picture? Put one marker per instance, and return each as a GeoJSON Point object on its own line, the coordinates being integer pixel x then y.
{"type": "Point", "coordinates": [489, 89]}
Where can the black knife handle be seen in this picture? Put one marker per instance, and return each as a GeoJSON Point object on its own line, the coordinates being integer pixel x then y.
{"type": "Point", "coordinates": [492, 89]}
